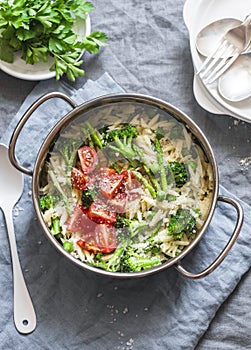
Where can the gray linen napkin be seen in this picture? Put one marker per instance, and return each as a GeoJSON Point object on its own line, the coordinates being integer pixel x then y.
{"type": "Point", "coordinates": [77, 309]}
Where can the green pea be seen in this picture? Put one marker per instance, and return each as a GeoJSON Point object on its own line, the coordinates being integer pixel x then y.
{"type": "Point", "coordinates": [68, 246]}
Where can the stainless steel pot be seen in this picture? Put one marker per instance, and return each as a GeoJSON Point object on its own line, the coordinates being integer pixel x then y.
{"type": "Point", "coordinates": [81, 110]}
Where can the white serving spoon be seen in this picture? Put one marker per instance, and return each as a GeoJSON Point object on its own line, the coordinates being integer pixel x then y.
{"type": "Point", "coordinates": [235, 84]}
{"type": "Point", "coordinates": [11, 188]}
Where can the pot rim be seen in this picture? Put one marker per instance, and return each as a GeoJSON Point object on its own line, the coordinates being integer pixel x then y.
{"type": "Point", "coordinates": [105, 100]}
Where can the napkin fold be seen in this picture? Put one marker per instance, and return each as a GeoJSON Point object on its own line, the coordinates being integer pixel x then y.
{"type": "Point", "coordinates": [77, 309]}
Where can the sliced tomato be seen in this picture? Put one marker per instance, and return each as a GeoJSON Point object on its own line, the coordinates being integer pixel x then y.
{"type": "Point", "coordinates": [106, 238]}
{"type": "Point", "coordinates": [129, 180]}
{"type": "Point", "coordinates": [79, 180]}
{"type": "Point", "coordinates": [104, 171]}
{"type": "Point", "coordinates": [110, 184]}
{"type": "Point", "coordinates": [79, 222]}
{"type": "Point", "coordinates": [88, 159]}
{"type": "Point", "coordinates": [133, 190]}
{"type": "Point", "coordinates": [118, 202]}
{"type": "Point", "coordinates": [131, 185]}
{"type": "Point", "coordinates": [100, 213]}
{"type": "Point", "coordinates": [128, 175]}
{"type": "Point", "coordinates": [90, 245]}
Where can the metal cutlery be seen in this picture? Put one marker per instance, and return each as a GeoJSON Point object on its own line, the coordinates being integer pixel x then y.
{"type": "Point", "coordinates": [231, 45]}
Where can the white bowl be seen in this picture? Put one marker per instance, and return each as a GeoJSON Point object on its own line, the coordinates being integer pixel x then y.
{"type": "Point", "coordinates": [41, 70]}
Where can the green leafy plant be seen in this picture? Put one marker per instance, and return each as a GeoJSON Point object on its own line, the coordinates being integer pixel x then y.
{"type": "Point", "coordinates": [40, 29]}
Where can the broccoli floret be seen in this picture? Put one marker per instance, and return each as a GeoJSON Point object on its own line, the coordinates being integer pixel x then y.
{"type": "Point", "coordinates": [120, 141]}
{"type": "Point", "coordinates": [121, 222]}
{"type": "Point", "coordinates": [182, 222]}
{"type": "Point", "coordinates": [113, 263]}
{"type": "Point", "coordinates": [48, 201]}
{"type": "Point", "coordinates": [153, 246]}
{"type": "Point", "coordinates": [126, 259]}
{"type": "Point", "coordinates": [128, 131]}
{"type": "Point", "coordinates": [136, 262]}
{"type": "Point", "coordinates": [179, 173]}
{"type": "Point", "coordinates": [132, 226]}
{"type": "Point", "coordinates": [88, 196]}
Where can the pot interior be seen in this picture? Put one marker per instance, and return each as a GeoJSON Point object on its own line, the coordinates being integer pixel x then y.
{"type": "Point", "coordinates": [125, 186]}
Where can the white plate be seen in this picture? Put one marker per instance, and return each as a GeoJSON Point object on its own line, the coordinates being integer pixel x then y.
{"type": "Point", "coordinates": [41, 70]}
{"type": "Point", "coordinates": [199, 13]}
{"type": "Point", "coordinates": [207, 101]}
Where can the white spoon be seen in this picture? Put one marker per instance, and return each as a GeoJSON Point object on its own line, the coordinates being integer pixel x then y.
{"type": "Point", "coordinates": [235, 84]}
{"type": "Point", "coordinates": [11, 188]}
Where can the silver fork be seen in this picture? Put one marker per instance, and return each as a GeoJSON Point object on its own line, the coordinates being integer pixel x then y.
{"type": "Point", "coordinates": [232, 44]}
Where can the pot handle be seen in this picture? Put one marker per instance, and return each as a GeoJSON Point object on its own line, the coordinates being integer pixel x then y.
{"type": "Point", "coordinates": [225, 251]}
{"type": "Point", "coordinates": [24, 119]}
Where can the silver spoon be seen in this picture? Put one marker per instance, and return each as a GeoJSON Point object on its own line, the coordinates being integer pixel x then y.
{"type": "Point", "coordinates": [11, 188]}
{"type": "Point", "coordinates": [208, 37]}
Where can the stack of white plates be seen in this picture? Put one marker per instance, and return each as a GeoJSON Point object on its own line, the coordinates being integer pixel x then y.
{"type": "Point", "coordinates": [197, 14]}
